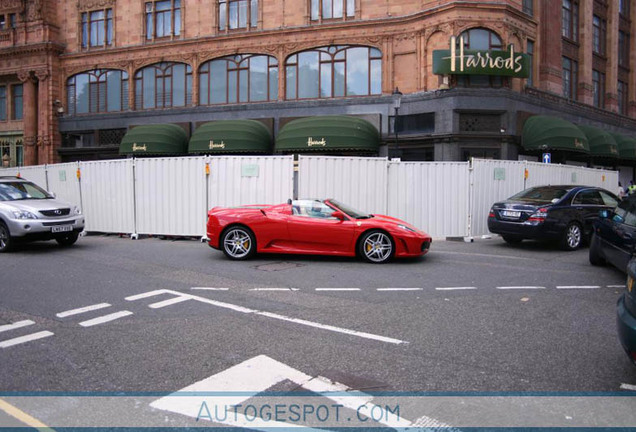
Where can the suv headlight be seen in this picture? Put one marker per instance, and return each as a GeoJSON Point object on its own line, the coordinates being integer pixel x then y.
{"type": "Point", "coordinates": [21, 214]}
{"type": "Point", "coordinates": [77, 211]}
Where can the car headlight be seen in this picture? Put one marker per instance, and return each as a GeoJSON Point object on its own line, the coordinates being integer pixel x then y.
{"type": "Point", "coordinates": [21, 214]}
{"type": "Point", "coordinates": [77, 211]}
{"type": "Point", "coordinates": [404, 227]}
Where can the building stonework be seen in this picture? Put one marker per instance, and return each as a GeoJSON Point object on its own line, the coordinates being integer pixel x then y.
{"type": "Point", "coordinates": [45, 43]}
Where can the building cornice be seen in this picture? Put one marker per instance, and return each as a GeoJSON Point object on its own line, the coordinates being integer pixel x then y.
{"type": "Point", "coordinates": [35, 48]}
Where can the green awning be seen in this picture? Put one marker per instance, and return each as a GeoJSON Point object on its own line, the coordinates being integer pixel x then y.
{"type": "Point", "coordinates": [626, 146]}
{"type": "Point", "coordinates": [601, 143]}
{"type": "Point", "coordinates": [328, 134]}
{"type": "Point", "coordinates": [231, 136]}
{"type": "Point", "coordinates": [552, 133]}
{"type": "Point", "coordinates": [158, 139]}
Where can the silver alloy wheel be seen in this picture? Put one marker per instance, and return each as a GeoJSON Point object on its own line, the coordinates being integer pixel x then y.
{"type": "Point", "coordinates": [573, 235]}
{"type": "Point", "coordinates": [378, 247]}
{"type": "Point", "coordinates": [237, 243]}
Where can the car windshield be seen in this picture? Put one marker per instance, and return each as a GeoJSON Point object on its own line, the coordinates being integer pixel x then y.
{"type": "Point", "coordinates": [353, 213]}
{"type": "Point", "coordinates": [540, 194]}
{"type": "Point", "coordinates": [21, 190]}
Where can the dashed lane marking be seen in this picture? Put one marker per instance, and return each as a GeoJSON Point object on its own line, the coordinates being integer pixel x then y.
{"type": "Point", "coordinates": [82, 310]}
{"type": "Point", "coordinates": [528, 287]}
{"type": "Point", "coordinates": [628, 387]}
{"type": "Point", "coordinates": [16, 325]}
{"type": "Point", "coordinates": [454, 288]}
{"type": "Point", "coordinates": [616, 286]}
{"type": "Point", "coordinates": [24, 339]}
{"type": "Point", "coordinates": [209, 289]}
{"type": "Point", "coordinates": [168, 302]}
{"type": "Point", "coordinates": [275, 289]}
{"type": "Point", "coordinates": [578, 287]}
{"type": "Point", "coordinates": [337, 289]}
{"type": "Point", "coordinates": [105, 318]}
{"type": "Point", "coordinates": [399, 289]}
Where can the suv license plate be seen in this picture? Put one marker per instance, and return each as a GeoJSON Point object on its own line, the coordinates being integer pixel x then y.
{"type": "Point", "coordinates": [511, 214]}
{"type": "Point", "coordinates": [62, 228]}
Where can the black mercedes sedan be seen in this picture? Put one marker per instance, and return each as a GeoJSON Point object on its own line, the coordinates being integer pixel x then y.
{"type": "Point", "coordinates": [562, 213]}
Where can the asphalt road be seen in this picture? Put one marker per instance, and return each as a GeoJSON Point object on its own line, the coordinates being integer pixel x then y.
{"type": "Point", "coordinates": [468, 317]}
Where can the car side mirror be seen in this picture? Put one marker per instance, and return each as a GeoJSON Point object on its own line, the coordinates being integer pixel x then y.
{"type": "Point", "coordinates": [604, 214]}
{"type": "Point", "coordinates": [338, 215]}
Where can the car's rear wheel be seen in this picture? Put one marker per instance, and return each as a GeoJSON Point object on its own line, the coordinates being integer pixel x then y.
{"type": "Point", "coordinates": [6, 243]}
{"type": "Point", "coordinates": [67, 240]}
{"type": "Point", "coordinates": [572, 237]}
{"type": "Point", "coordinates": [376, 247]}
{"type": "Point", "coordinates": [238, 243]}
{"type": "Point", "coordinates": [512, 239]}
{"type": "Point", "coordinates": [596, 255]}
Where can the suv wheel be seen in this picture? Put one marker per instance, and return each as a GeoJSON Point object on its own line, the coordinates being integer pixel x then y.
{"type": "Point", "coordinates": [596, 256]}
{"type": "Point", "coordinates": [6, 243]}
{"type": "Point", "coordinates": [67, 240]}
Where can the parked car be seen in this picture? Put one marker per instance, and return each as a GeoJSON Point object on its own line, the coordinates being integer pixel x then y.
{"type": "Point", "coordinates": [626, 314]}
{"type": "Point", "coordinates": [322, 227]}
{"type": "Point", "coordinates": [28, 213]}
{"type": "Point", "coordinates": [563, 213]}
{"type": "Point", "coordinates": [614, 238]}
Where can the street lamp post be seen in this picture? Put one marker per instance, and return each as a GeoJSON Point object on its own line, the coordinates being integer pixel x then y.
{"type": "Point", "coordinates": [397, 100]}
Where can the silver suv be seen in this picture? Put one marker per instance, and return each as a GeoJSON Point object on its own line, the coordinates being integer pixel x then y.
{"type": "Point", "coordinates": [28, 213]}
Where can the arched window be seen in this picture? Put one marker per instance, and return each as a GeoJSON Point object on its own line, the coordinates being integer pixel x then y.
{"type": "Point", "coordinates": [483, 40]}
{"type": "Point", "coordinates": [334, 71]}
{"type": "Point", "coordinates": [97, 91]}
{"type": "Point", "coordinates": [163, 85]}
{"type": "Point", "coordinates": [238, 79]}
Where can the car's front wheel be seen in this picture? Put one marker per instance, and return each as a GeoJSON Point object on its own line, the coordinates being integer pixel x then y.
{"type": "Point", "coordinates": [6, 243]}
{"type": "Point", "coordinates": [67, 240]}
{"type": "Point", "coordinates": [376, 247]}
{"type": "Point", "coordinates": [512, 239]}
{"type": "Point", "coordinates": [572, 237]}
{"type": "Point", "coordinates": [596, 256]}
{"type": "Point", "coordinates": [238, 243]}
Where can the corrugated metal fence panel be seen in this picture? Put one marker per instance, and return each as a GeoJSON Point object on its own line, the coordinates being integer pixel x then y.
{"type": "Point", "coordinates": [36, 174]}
{"type": "Point", "coordinates": [243, 180]}
{"type": "Point", "coordinates": [107, 195]}
{"type": "Point", "coordinates": [9, 172]}
{"type": "Point", "coordinates": [545, 174]}
{"type": "Point", "coordinates": [170, 196]}
{"type": "Point", "coordinates": [492, 180]}
{"type": "Point", "coordinates": [359, 182]}
{"type": "Point", "coordinates": [63, 182]}
{"type": "Point", "coordinates": [433, 196]}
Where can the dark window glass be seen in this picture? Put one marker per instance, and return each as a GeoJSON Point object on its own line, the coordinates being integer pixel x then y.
{"type": "Point", "coordinates": [97, 28]}
{"type": "Point", "coordinates": [238, 14]}
{"type": "Point", "coordinates": [163, 85]}
{"type": "Point", "coordinates": [332, 9]}
{"type": "Point", "coordinates": [528, 7]}
{"type": "Point", "coordinates": [16, 101]}
{"type": "Point", "coordinates": [541, 194]}
{"type": "Point", "coordinates": [570, 20]}
{"type": "Point", "coordinates": [242, 78]}
{"type": "Point", "coordinates": [623, 7]}
{"type": "Point", "coordinates": [163, 19]}
{"type": "Point", "coordinates": [334, 71]}
{"type": "Point", "coordinates": [608, 200]}
{"type": "Point", "coordinates": [3, 103]}
{"type": "Point", "coordinates": [598, 84]}
{"type": "Point", "coordinates": [530, 52]}
{"type": "Point", "coordinates": [570, 78]}
{"type": "Point", "coordinates": [623, 49]}
{"type": "Point", "coordinates": [599, 34]}
{"type": "Point", "coordinates": [588, 197]}
{"type": "Point", "coordinates": [97, 91]}
{"type": "Point", "coordinates": [622, 97]}
{"type": "Point", "coordinates": [13, 21]}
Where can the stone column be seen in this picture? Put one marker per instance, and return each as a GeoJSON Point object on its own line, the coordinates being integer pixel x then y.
{"type": "Point", "coordinates": [611, 73]}
{"type": "Point", "coordinates": [549, 49]}
{"type": "Point", "coordinates": [30, 117]}
{"type": "Point", "coordinates": [585, 91]}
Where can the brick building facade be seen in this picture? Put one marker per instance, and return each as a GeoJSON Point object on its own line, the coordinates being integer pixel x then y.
{"type": "Point", "coordinates": [75, 75]}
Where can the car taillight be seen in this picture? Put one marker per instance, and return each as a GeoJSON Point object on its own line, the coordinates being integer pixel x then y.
{"type": "Point", "coordinates": [491, 214]}
{"type": "Point", "coordinates": [539, 215]}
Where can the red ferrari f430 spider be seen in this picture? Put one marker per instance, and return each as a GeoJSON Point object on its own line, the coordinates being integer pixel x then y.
{"type": "Point", "coordinates": [312, 227]}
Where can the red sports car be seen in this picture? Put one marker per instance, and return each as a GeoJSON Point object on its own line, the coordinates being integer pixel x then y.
{"type": "Point", "coordinates": [324, 227]}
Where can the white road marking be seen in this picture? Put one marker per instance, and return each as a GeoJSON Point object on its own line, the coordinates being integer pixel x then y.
{"type": "Point", "coordinates": [254, 376]}
{"type": "Point", "coordinates": [105, 318]}
{"type": "Point", "coordinates": [270, 315]}
{"type": "Point", "coordinates": [209, 289]}
{"type": "Point", "coordinates": [399, 289]}
{"type": "Point", "coordinates": [16, 325]}
{"type": "Point", "coordinates": [578, 287]}
{"type": "Point", "coordinates": [616, 286]}
{"type": "Point", "coordinates": [168, 302]}
{"type": "Point", "coordinates": [628, 387]}
{"type": "Point", "coordinates": [274, 289]}
{"type": "Point", "coordinates": [455, 288]}
{"type": "Point", "coordinates": [337, 289]}
{"type": "Point", "coordinates": [24, 339]}
{"type": "Point", "coordinates": [82, 310]}
{"type": "Point", "coordinates": [519, 287]}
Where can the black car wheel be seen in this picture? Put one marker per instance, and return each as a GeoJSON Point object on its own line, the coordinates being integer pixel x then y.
{"type": "Point", "coordinates": [572, 237]}
{"type": "Point", "coordinates": [238, 243]}
{"type": "Point", "coordinates": [67, 240]}
{"type": "Point", "coordinates": [512, 239]}
{"type": "Point", "coordinates": [596, 255]}
{"type": "Point", "coordinates": [376, 247]}
{"type": "Point", "coordinates": [6, 243]}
